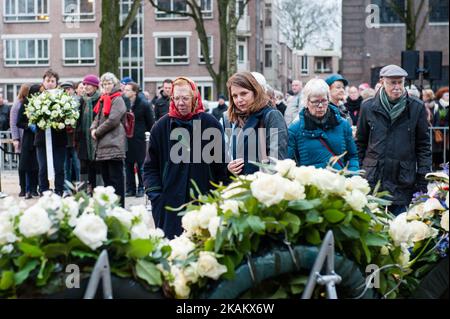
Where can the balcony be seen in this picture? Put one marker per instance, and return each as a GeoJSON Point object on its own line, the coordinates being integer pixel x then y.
{"type": "Point", "coordinates": [243, 27]}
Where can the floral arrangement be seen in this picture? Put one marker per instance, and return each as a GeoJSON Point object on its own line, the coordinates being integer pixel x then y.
{"type": "Point", "coordinates": [55, 109]}
{"type": "Point", "coordinates": [37, 243]}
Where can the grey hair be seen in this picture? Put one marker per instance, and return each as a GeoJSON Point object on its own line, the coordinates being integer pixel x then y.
{"type": "Point", "coordinates": [315, 87]}
{"type": "Point", "coordinates": [108, 76]}
{"type": "Point", "coordinates": [270, 91]}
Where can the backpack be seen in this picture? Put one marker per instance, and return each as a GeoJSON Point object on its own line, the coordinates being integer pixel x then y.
{"type": "Point", "coordinates": [129, 124]}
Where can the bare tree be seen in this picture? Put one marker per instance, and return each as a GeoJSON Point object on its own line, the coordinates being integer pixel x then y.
{"type": "Point", "coordinates": [113, 32]}
{"type": "Point", "coordinates": [413, 18]}
{"type": "Point", "coordinates": [310, 23]}
{"type": "Point", "coordinates": [227, 31]}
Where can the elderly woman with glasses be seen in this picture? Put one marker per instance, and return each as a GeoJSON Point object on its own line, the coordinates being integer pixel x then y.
{"type": "Point", "coordinates": [186, 147]}
{"type": "Point", "coordinates": [321, 133]}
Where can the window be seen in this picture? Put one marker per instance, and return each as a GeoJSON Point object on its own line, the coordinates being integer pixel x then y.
{"type": "Point", "coordinates": [26, 11]}
{"type": "Point", "coordinates": [79, 10]}
{"type": "Point", "coordinates": [172, 50]}
{"type": "Point", "coordinates": [438, 11]}
{"type": "Point", "coordinates": [268, 56]}
{"type": "Point", "coordinates": [201, 59]}
{"type": "Point", "coordinates": [207, 8]}
{"type": "Point", "coordinates": [241, 53]}
{"type": "Point", "coordinates": [305, 67]}
{"type": "Point", "coordinates": [12, 90]}
{"type": "Point", "coordinates": [387, 14]}
{"type": "Point", "coordinates": [268, 19]}
{"type": "Point", "coordinates": [79, 51]}
{"type": "Point", "coordinates": [172, 5]}
{"type": "Point", "coordinates": [206, 91]}
{"type": "Point", "coordinates": [240, 8]}
{"type": "Point", "coordinates": [323, 65]}
{"type": "Point", "coordinates": [26, 52]}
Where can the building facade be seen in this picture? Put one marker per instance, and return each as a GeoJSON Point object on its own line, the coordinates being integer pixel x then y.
{"type": "Point", "coordinates": [66, 36]}
{"type": "Point", "coordinates": [312, 64]}
{"type": "Point", "coordinates": [374, 36]}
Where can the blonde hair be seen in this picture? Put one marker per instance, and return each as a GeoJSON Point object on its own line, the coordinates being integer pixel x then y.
{"type": "Point", "coordinates": [428, 93]}
{"type": "Point", "coordinates": [247, 81]}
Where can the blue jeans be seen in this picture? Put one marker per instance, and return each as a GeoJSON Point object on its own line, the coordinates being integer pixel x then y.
{"type": "Point", "coordinates": [71, 166]}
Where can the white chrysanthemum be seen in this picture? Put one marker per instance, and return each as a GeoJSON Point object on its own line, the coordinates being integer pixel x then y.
{"type": "Point", "coordinates": [181, 247]}
{"type": "Point", "coordinates": [91, 230]}
{"type": "Point", "coordinates": [34, 222]}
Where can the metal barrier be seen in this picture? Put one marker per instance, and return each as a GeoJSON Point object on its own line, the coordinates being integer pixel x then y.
{"type": "Point", "coordinates": [444, 130]}
{"type": "Point", "coordinates": [8, 159]}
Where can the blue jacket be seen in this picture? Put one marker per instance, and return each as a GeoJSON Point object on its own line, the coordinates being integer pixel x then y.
{"type": "Point", "coordinates": [306, 148]}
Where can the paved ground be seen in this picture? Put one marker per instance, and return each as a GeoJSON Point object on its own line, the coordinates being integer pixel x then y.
{"type": "Point", "coordinates": [10, 186]}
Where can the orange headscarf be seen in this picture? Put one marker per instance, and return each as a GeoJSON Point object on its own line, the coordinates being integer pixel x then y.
{"type": "Point", "coordinates": [197, 101]}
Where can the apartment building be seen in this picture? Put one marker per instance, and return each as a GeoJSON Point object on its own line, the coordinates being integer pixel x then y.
{"type": "Point", "coordinates": [367, 46]}
{"type": "Point", "coordinates": [65, 35]}
{"type": "Point", "coordinates": [311, 64]}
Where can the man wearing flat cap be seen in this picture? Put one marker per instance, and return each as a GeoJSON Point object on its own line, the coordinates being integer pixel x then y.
{"type": "Point", "coordinates": [393, 140]}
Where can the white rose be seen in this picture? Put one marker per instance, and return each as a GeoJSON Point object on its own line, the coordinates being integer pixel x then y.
{"type": "Point", "coordinates": [191, 273]}
{"type": "Point", "coordinates": [124, 216]}
{"type": "Point", "coordinates": [190, 222]}
{"type": "Point", "coordinates": [70, 208]}
{"type": "Point", "coordinates": [142, 214]}
{"type": "Point", "coordinates": [140, 231]}
{"type": "Point", "coordinates": [181, 247]}
{"type": "Point", "coordinates": [91, 230]}
{"type": "Point", "coordinates": [420, 231]}
{"type": "Point", "coordinates": [6, 229]}
{"type": "Point", "coordinates": [405, 256]}
{"type": "Point", "coordinates": [205, 214]}
{"type": "Point", "coordinates": [357, 183]}
{"type": "Point", "coordinates": [50, 201]}
{"type": "Point", "coordinates": [444, 221]}
{"type": "Point", "coordinates": [304, 174]}
{"type": "Point", "coordinates": [61, 126]}
{"type": "Point", "coordinates": [329, 182]}
{"type": "Point", "coordinates": [269, 189]}
{"type": "Point", "coordinates": [34, 222]}
{"type": "Point", "coordinates": [285, 167]}
{"type": "Point", "coordinates": [230, 205]}
{"type": "Point", "coordinates": [293, 190]}
{"type": "Point", "coordinates": [105, 195]}
{"type": "Point", "coordinates": [399, 230]}
{"type": "Point", "coordinates": [213, 226]}
{"type": "Point", "coordinates": [418, 212]}
{"type": "Point", "coordinates": [180, 283]}
{"type": "Point", "coordinates": [156, 233]}
{"type": "Point", "coordinates": [207, 266]}
{"type": "Point", "coordinates": [356, 199]}
{"type": "Point", "coordinates": [433, 204]}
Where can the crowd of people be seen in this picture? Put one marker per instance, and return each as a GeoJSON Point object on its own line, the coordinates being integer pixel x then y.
{"type": "Point", "coordinates": [382, 130]}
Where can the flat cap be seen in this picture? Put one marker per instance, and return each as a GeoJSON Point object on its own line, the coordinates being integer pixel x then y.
{"type": "Point", "coordinates": [67, 84]}
{"type": "Point", "coordinates": [393, 70]}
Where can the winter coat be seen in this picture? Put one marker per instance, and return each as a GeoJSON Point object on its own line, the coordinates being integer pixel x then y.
{"type": "Point", "coordinates": [219, 110]}
{"type": "Point", "coordinates": [110, 132]}
{"type": "Point", "coordinates": [292, 109]}
{"type": "Point", "coordinates": [397, 154]}
{"type": "Point", "coordinates": [83, 136]}
{"type": "Point", "coordinates": [28, 160]}
{"type": "Point", "coordinates": [144, 120]}
{"type": "Point", "coordinates": [245, 143]}
{"type": "Point", "coordinates": [4, 117]}
{"type": "Point", "coordinates": [161, 106]}
{"type": "Point", "coordinates": [168, 183]}
{"type": "Point", "coordinates": [353, 107]}
{"type": "Point", "coordinates": [306, 148]}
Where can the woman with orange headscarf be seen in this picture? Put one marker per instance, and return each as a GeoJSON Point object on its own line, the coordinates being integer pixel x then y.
{"type": "Point", "coordinates": [186, 145]}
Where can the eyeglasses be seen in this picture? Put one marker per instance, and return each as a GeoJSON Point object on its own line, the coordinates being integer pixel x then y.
{"type": "Point", "coordinates": [319, 102]}
{"type": "Point", "coordinates": [185, 99]}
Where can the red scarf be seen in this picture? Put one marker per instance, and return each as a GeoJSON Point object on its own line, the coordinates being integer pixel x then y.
{"type": "Point", "coordinates": [106, 99]}
{"type": "Point", "coordinates": [197, 102]}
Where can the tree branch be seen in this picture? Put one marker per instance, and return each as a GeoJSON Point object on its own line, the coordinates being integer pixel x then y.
{"type": "Point", "coordinates": [398, 10]}
{"type": "Point", "coordinates": [130, 19]}
{"type": "Point", "coordinates": [182, 13]}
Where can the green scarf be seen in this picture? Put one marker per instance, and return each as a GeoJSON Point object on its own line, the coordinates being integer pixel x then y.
{"type": "Point", "coordinates": [87, 122]}
{"type": "Point", "coordinates": [393, 108]}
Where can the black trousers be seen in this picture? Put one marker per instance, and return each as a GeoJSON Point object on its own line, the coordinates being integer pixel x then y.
{"type": "Point", "coordinates": [113, 175]}
{"type": "Point", "coordinates": [131, 179]}
{"type": "Point", "coordinates": [59, 157]}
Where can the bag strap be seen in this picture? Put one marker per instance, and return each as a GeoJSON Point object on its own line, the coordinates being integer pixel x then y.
{"type": "Point", "coordinates": [324, 143]}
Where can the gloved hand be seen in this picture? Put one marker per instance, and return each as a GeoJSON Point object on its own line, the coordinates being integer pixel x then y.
{"type": "Point", "coordinates": [421, 183]}
{"type": "Point", "coordinates": [33, 128]}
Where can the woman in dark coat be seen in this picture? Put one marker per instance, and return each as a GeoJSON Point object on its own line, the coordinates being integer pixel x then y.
{"type": "Point", "coordinates": [144, 121]}
{"type": "Point", "coordinates": [28, 159]}
{"type": "Point", "coordinates": [167, 174]}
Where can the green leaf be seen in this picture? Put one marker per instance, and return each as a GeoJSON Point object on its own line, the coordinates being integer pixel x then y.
{"type": "Point", "coordinates": [7, 280]}
{"type": "Point", "coordinates": [55, 250]}
{"type": "Point", "coordinates": [220, 237]}
{"type": "Point", "coordinates": [21, 261]}
{"type": "Point", "coordinates": [44, 274]}
{"type": "Point", "coordinates": [83, 254]}
{"type": "Point", "coordinates": [147, 271]}
{"type": "Point", "coordinates": [209, 245]}
{"type": "Point", "coordinates": [116, 230]}
{"type": "Point", "coordinates": [293, 222]}
{"type": "Point", "coordinates": [313, 217]}
{"type": "Point", "coordinates": [366, 250]}
{"type": "Point", "coordinates": [376, 240]}
{"type": "Point", "coordinates": [313, 236]}
{"type": "Point", "coordinates": [349, 231]}
{"type": "Point", "coordinates": [279, 294]}
{"type": "Point", "coordinates": [30, 250]}
{"type": "Point", "coordinates": [303, 204]}
{"type": "Point", "coordinates": [22, 275]}
{"type": "Point", "coordinates": [228, 262]}
{"type": "Point", "coordinates": [333, 215]}
{"type": "Point", "coordinates": [256, 224]}
{"type": "Point", "coordinates": [364, 216]}
{"type": "Point", "coordinates": [140, 248]}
